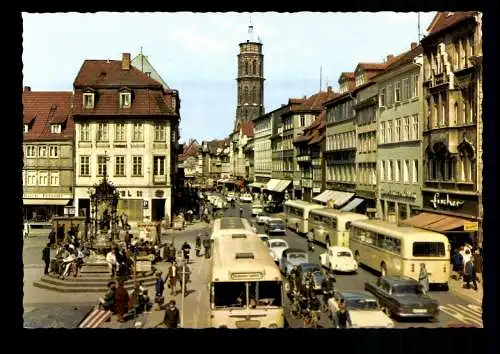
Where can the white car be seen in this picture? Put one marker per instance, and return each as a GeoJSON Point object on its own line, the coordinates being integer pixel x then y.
{"type": "Point", "coordinates": [262, 218]}
{"type": "Point", "coordinates": [276, 247]}
{"type": "Point", "coordinates": [246, 198]}
{"type": "Point", "coordinates": [338, 259]}
{"type": "Point", "coordinates": [363, 309]}
{"type": "Point", "coordinates": [257, 209]}
{"type": "Point", "coordinates": [230, 196]}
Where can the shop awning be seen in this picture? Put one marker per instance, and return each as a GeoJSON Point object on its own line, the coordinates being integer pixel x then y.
{"type": "Point", "coordinates": [272, 184]}
{"type": "Point", "coordinates": [435, 222]}
{"type": "Point", "coordinates": [352, 204]}
{"type": "Point", "coordinates": [282, 186]}
{"type": "Point", "coordinates": [339, 198]}
{"type": "Point", "coordinates": [257, 185]}
{"type": "Point", "coordinates": [45, 201]}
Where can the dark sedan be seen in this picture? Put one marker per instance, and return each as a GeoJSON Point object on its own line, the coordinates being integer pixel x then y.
{"type": "Point", "coordinates": [274, 207]}
{"type": "Point", "coordinates": [275, 226]}
{"type": "Point", "coordinates": [403, 297]}
{"type": "Point", "coordinates": [317, 272]}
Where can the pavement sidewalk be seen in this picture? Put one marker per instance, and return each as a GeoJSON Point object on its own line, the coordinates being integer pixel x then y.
{"type": "Point", "coordinates": [457, 286]}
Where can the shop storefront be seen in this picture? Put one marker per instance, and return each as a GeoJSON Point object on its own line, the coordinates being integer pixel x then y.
{"type": "Point", "coordinates": [41, 207]}
{"type": "Point", "coordinates": [455, 215]}
{"type": "Point", "coordinates": [279, 189]}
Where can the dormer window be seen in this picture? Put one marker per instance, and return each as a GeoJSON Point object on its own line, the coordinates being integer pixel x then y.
{"type": "Point", "coordinates": [26, 128]}
{"type": "Point", "coordinates": [125, 99]}
{"type": "Point", "coordinates": [88, 100]}
{"type": "Point", "coordinates": [359, 80]}
{"type": "Point", "coordinates": [55, 128]}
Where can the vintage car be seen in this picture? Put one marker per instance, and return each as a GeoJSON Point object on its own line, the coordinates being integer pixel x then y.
{"type": "Point", "coordinates": [292, 257]}
{"type": "Point", "coordinates": [264, 238]}
{"type": "Point", "coordinates": [246, 198]}
{"type": "Point", "coordinates": [276, 247]}
{"type": "Point", "coordinates": [274, 207]}
{"type": "Point", "coordinates": [231, 196]}
{"type": "Point", "coordinates": [363, 309]}
{"type": "Point", "coordinates": [275, 226]}
{"type": "Point", "coordinates": [402, 297]}
{"type": "Point", "coordinates": [257, 208]}
{"type": "Point", "coordinates": [338, 259]}
{"type": "Point", "coordinates": [262, 218]}
{"type": "Point", "coordinates": [317, 272]}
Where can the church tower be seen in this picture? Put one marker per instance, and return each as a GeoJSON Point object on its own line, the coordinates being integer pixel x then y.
{"type": "Point", "coordinates": [250, 81]}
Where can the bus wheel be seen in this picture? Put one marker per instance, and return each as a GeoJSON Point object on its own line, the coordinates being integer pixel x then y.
{"type": "Point", "coordinates": [383, 269]}
{"type": "Point", "coordinates": [328, 243]}
{"type": "Point", "coordinates": [356, 256]}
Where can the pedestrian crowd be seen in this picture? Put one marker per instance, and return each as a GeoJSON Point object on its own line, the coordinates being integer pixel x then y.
{"type": "Point", "coordinates": [467, 265]}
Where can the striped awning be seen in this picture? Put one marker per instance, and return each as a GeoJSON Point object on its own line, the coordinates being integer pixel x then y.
{"type": "Point", "coordinates": [282, 186]}
{"type": "Point", "coordinates": [435, 222]}
{"type": "Point", "coordinates": [339, 198]}
{"type": "Point", "coordinates": [272, 184]}
{"type": "Point", "coordinates": [352, 204]}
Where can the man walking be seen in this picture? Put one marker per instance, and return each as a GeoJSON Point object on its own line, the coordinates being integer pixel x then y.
{"type": "Point", "coordinates": [341, 317]}
{"type": "Point", "coordinates": [470, 274]}
{"type": "Point", "coordinates": [159, 287]}
{"type": "Point", "coordinates": [206, 245]}
{"type": "Point", "coordinates": [171, 318]}
{"type": "Point", "coordinates": [478, 262]}
{"type": "Point", "coordinates": [46, 258]}
{"type": "Point", "coordinates": [423, 278]}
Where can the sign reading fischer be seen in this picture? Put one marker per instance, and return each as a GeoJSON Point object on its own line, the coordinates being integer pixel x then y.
{"type": "Point", "coordinates": [454, 203]}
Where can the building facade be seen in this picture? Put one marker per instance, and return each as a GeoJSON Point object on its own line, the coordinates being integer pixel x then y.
{"type": "Point", "coordinates": [48, 173]}
{"type": "Point", "coordinates": [452, 183]}
{"type": "Point", "coordinates": [126, 129]}
{"type": "Point", "coordinates": [263, 126]}
{"type": "Point", "coordinates": [399, 150]}
{"type": "Point", "coordinates": [250, 81]}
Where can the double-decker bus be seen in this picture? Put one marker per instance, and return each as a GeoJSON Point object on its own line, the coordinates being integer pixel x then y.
{"type": "Point", "coordinates": [297, 214]}
{"type": "Point", "coordinates": [399, 250]}
{"type": "Point", "coordinates": [331, 226]}
{"type": "Point", "coordinates": [246, 286]}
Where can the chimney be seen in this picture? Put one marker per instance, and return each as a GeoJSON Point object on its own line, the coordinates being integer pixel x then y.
{"type": "Point", "coordinates": [27, 89]}
{"type": "Point", "coordinates": [329, 89]}
{"type": "Point", "coordinates": [126, 61]}
{"type": "Point", "coordinates": [390, 57]}
{"type": "Point", "coordinates": [413, 45]}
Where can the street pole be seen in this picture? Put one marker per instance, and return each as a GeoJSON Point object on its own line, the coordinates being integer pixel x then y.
{"type": "Point", "coordinates": [182, 292]}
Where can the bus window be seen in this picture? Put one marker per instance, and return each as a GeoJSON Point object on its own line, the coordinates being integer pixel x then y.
{"type": "Point", "coordinates": [229, 294]}
{"type": "Point", "coordinates": [265, 293]}
{"type": "Point", "coordinates": [428, 249]}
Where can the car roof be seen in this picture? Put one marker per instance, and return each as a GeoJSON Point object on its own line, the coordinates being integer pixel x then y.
{"type": "Point", "coordinates": [293, 250]}
{"type": "Point", "coordinates": [339, 248]}
{"type": "Point", "coordinates": [395, 280]}
{"type": "Point", "coordinates": [277, 239]}
{"type": "Point", "coordinates": [310, 265]}
{"type": "Point", "coordinates": [356, 295]}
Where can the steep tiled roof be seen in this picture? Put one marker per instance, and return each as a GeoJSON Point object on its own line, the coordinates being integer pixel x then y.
{"type": "Point", "coordinates": [313, 130]}
{"type": "Point", "coordinates": [316, 101]}
{"type": "Point", "coordinates": [347, 75]}
{"type": "Point", "coordinates": [402, 59]}
{"type": "Point", "coordinates": [443, 20]}
{"type": "Point", "coordinates": [247, 128]}
{"type": "Point", "coordinates": [189, 149]}
{"type": "Point", "coordinates": [41, 109]}
{"type": "Point", "coordinates": [103, 73]}
{"type": "Point", "coordinates": [304, 137]}
{"type": "Point", "coordinates": [296, 100]}
{"type": "Point", "coordinates": [372, 66]}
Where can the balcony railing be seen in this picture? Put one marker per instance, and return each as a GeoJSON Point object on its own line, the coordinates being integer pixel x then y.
{"type": "Point", "coordinates": [304, 158]}
{"type": "Point", "coordinates": [159, 179]}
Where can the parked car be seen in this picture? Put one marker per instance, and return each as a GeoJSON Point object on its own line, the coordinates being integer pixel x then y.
{"type": "Point", "coordinates": [338, 259]}
{"type": "Point", "coordinates": [246, 198]}
{"type": "Point", "coordinates": [257, 208]}
{"type": "Point", "coordinates": [292, 257]}
{"type": "Point", "coordinates": [264, 238]}
{"type": "Point", "coordinates": [274, 207]}
{"type": "Point", "coordinates": [364, 309]}
{"type": "Point", "coordinates": [261, 218]}
{"type": "Point", "coordinates": [276, 247]}
{"type": "Point", "coordinates": [402, 297]}
{"type": "Point", "coordinates": [275, 226]}
{"type": "Point", "coordinates": [231, 196]}
{"type": "Point", "coordinates": [315, 269]}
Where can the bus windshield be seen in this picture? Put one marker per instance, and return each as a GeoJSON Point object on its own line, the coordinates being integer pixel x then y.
{"type": "Point", "coordinates": [428, 249]}
{"type": "Point", "coordinates": [229, 294]}
{"type": "Point", "coordinates": [264, 294]}
{"type": "Point", "coordinates": [233, 294]}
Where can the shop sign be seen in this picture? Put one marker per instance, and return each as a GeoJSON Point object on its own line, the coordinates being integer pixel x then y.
{"type": "Point", "coordinates": [145, 204]}
{"type": "Point", "coordinates": [447, 202]}
{"type": "Point", "coordinates": [47, 196]}
{"type": "Point", "coordinates": [471, 226]}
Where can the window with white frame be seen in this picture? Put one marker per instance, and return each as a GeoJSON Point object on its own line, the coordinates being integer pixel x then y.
{"type": "Point", "coordinates": [406, 169]}
{"type": "Point", "coordinates": [397, 170]}
{"type": "Point", "coordinates": [88, 100]}
{"type": "Point", "coordinates": [397, 91]}
{"type": "Point", "coordinates": [31, 177]}
{"type": "Point", "coordinates": [102, 165]}
{"type": "Point", "coordinates": [406, 89]}
{"type": "Point", "coordinates": [414, 127]}
{"type": "Point", "coordinates": [382, 171]}
{"type": "Point", "coordinates": [389, 136]}
{"type": "Point", "coordinates": [414, 84]}
{"type": "Point", "coordinates": [302, 120]}
{"type": "Point", "coordinates": [102, 132]}
{"type": "Point", "coordinates": [138, 132]}
{"type": "Point", "coordinates": [406, 129]}
{"type": "Point", "coordinates": [414, 171]}
{"type": "Point", "coordinates": [54, 153]}
{"type": "Point", "coordinates": [389, 171]}
{"type": "Point", "coordinates": [397, 130]}
{"type": "Point", "coordinates": [137, 166]}
{"type": "Point", "coordinates": [159, 165]}
{"type": "Point", "coordinates": [85, 132]}
{"type": "Point", "coordinates": [381, 97]}
{"type": "Point", "coordinates": [43, 178]}
{"type": "Point", "coordinates": [30, 151]}
{"type": "Point", "coordinates": [120, 132]}
{"type": "Point", "coordinates": [125, 98]}
{"type": "Point", "coordinates": [84, 165]}
{"type": "Point", "coordinates": [55, 128]}
{"type": "Point", "coordinates": [120, 166]}
{"type": "Point", "coordinates": [26, 128]}
{"type": "Point", "coordinates": [42, 151]}
{"type": "Point", "coordinates": [382, 132]}
{"type": "Point", "coordinates": [160, 131]}
{"type": "Point", "coordinates": [54, 178]}
{"type": "Point", "coordinates": [373, 174]}
{"type": "Point", "coordinates": [390, 95]}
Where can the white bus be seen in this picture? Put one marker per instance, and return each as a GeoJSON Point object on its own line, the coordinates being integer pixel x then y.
{"type": "Point", "coordinates": [245, 286]}
{"type": "Point", "coordinates": [331, 226]}
{"type": "Point", "coordinates": [399, 250]}
{"type": "Point", "coordinates": [297, 214]}
{"type": "Point", "coordinates": [228, 226]}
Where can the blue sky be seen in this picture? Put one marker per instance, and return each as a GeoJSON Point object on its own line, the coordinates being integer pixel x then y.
{"type": "Point", "coordinates": [196, 53]}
